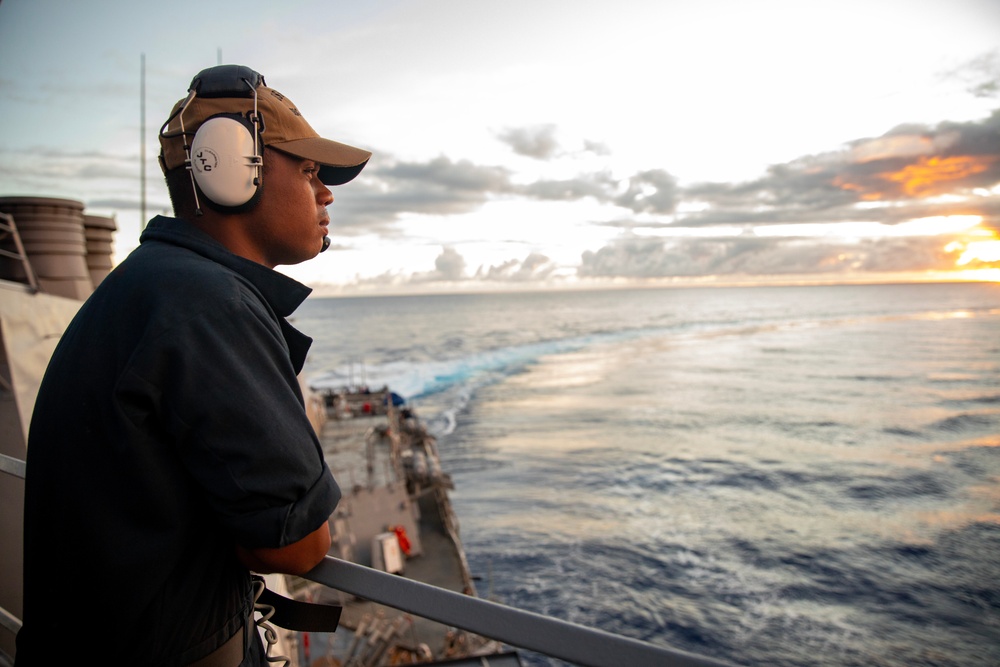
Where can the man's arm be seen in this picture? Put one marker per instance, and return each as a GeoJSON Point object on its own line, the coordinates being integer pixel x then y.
{"type": "Point", "coordinates": [297, 558]}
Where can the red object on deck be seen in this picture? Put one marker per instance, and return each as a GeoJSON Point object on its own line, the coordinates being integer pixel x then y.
{"type": "Point", "coordinates": [404, 541]}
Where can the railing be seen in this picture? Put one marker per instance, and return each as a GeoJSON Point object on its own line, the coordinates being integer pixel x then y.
{"type": "Point", "coordinates": [12, 466]}
{"type": "Point", "coordinates": [16, 468]}
{"type": "Point", "coordinates": [523, 629]}
{"type": "Point", "coordinates": [543, 634]}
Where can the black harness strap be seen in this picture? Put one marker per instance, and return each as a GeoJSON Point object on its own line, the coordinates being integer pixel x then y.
{"type": "Point", "coordinates": [302, 616]}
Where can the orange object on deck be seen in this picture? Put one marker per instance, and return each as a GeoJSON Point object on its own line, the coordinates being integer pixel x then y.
{"type": "Point", "coordinates": [404, 541]}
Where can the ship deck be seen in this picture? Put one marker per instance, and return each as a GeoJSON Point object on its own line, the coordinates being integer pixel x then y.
{"type": "Point", "coordinates": [372, 502]}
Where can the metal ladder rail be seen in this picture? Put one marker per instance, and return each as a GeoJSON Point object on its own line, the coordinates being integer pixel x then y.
{"type": "Point", "coordinates": [11, 228]}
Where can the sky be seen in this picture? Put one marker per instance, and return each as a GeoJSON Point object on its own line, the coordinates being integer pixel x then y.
{"type": "Point", "coordinates": [554, 143]}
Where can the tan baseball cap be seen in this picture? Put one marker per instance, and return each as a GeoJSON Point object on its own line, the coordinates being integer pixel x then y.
{"type": "Point", "coordinates": [229, 89]}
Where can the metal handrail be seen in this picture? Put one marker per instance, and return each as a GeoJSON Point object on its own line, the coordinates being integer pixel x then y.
{"type": "Point", "coordinates": [12, 466]}
{"type": "Point", "coordinates": [560, 639]}
{"type": "Point", "coordinates": [16, 468]}
{"type": "Point", "coordinates": [553, 637]}
{"type": "Point", "coordinates": [9, 621]}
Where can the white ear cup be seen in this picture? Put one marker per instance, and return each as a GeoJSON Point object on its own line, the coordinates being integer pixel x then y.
{"type": "Point", "coordinates": [223, 161]}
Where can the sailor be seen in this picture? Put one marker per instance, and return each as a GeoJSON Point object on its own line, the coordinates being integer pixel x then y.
{"type": "Point", "coordinates": [170, 454]}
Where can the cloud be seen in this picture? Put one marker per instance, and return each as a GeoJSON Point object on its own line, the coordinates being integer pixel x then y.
{"type": "Point", "coordinates": [653, 191]}
{"type": "Point", "coordinates": [889, 179]}
{"type": "Point", "coordinates": [914, 162]}
{"type": "Point", "coordinates": [39, 164]}
{"type": "Point", "coordinates": [442, 172]}
{"type": "Point", "coordinates": [749, 256]}
{"type": "Point", "coordinates": [534, 267]}
{"type": "Point", "coordinates": [910, 172]}
{"type": "Point", "coordinates": [128, 204]}
{"type": "Point", "coordinates": [450, 265]}
{"type": "Point", "coordinates": [907, 166]}
{"type": "Point", "coordinates": [450, 268]}
{"type": "Point", "coordinates": [540, 142]}
{"type": "Point", "coordinates": [904, 170]}
{"type": "Point", "coordinates": [391, 188]}
{"type": "Point", "coordinates": [599, 186]}
{"type": "Point", "coordinates": [596, 147]}
{"type": "Point", "coordinates": [981, 75]}
{"type": "Point", "coordinates": [537, 141]}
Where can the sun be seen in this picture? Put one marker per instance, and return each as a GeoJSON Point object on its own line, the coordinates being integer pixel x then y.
{"type": "Point", "coordinates": [987, 252]}
{"type": "Point", "coordinates": [978, 257]}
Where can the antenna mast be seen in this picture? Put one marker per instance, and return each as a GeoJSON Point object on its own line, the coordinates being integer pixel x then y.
{"type": "Point", "coordinates": [142, 141]}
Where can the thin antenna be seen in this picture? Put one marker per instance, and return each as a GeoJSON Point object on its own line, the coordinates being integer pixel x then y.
{"type": "Point", "coordinates": [218, 56]}
{"type": "Point", "coordinates": [142, 141]}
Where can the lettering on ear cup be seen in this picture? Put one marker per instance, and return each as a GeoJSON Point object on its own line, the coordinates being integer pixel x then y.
{"type": "Point", "coordinates": [224, 162]}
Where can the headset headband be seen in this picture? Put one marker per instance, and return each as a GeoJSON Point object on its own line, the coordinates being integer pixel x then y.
{"type": "Point", "coordinates": [226, 81]}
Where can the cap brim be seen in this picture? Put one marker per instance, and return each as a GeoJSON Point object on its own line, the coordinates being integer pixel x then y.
{"type": "Point", "coordinates": [339, 163]}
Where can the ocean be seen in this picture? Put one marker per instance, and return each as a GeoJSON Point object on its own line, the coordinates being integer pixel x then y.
{"type": "Point", "coordinates": [765, 475]}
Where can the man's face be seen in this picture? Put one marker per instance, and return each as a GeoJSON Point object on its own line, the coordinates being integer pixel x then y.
{"type": "Point", "coordinates": [289, 222]}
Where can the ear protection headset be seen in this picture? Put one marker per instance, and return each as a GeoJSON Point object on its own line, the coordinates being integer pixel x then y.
{"type": "Point", "coordinates": [224, 158]}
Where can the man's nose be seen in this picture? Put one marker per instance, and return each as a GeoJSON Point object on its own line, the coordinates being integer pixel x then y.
{"type": "Point", "coordinates": [324, 195]}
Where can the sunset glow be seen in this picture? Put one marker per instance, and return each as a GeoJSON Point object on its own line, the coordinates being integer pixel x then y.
{"type": "Point", "coordinates": [934, 175]}
{"type": "Point", "coordinates": [982, 251]}
{"type": "Point", "coordinates": [927, 177]}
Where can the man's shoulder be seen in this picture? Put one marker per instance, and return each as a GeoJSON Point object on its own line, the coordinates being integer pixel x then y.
{"type": "Point", "coordinates": [180, 272]}
{"type": "Point", "coordinates": [160, 287]}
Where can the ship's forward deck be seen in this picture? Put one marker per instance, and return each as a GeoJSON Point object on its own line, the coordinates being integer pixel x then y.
{"type": "Point", "coordinates": [386, 465]}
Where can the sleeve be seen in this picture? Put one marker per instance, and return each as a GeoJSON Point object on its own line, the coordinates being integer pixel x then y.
{"type": "Point", "coordinates": [231, 405]}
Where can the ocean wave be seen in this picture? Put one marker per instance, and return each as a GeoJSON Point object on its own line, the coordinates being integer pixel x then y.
{"type": "Point", "coordinates": [965, 422]}
{"type": "Point", "coordinates": [900, 487]}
